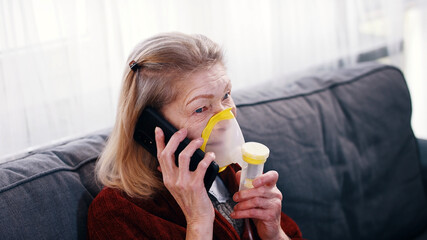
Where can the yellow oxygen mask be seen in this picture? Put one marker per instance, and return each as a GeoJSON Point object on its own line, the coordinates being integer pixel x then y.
{"type": "Point", "coordinates": [223, 136]}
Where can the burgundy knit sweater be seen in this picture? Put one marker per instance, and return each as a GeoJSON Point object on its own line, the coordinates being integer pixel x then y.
{"type": "Point", "coordinates": [114, 215]}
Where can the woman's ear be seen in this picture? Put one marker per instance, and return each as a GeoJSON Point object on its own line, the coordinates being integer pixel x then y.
{"type": "Point", "coordinates": [159, 168]}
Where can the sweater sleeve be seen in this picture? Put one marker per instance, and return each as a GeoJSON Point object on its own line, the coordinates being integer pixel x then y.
{"type": "Point", "coordinates": [290, 227]}
{"type": "Point", "coordinates": [105, 221]}
{"type": "Point", "coordinates": [112, 216]}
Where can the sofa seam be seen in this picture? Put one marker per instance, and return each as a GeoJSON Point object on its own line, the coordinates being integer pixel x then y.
{"type": "Point", "coordinates": [45, 173]}
{"type": "Point", "coordinates": [385, 67]}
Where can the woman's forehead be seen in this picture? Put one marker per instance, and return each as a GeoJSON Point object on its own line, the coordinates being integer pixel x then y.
{"type": "Point", "coordinates": [211, 81]}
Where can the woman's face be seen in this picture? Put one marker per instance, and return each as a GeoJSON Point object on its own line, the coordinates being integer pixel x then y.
{"type": "Point", "coordinates": [201, 96]}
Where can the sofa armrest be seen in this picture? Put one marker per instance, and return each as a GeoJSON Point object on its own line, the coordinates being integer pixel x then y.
{"type": "Point", "coordinates": [422, 145]}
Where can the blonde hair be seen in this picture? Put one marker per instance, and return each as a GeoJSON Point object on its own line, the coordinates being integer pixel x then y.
{"type": "Point", "coordinates": [162, 60]}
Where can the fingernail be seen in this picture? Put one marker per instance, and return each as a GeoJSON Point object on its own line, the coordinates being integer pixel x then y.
{"type": "Point", "coordinates": [235, 197]}
{"type": "Point", "coordinates": [157, 131]}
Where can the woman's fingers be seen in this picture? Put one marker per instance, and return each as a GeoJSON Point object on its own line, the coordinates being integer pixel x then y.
{"type": "Point", "coordinates": [184, 157]}
{"type": "Point", "coordinates": [263, 204]}
{"type": "Point", "coordinates": [174, 141]}
{"type": "Point", "coordinates": [269, 179]}
{"type": "Point", "coordinates": [264, 186]}
{"type": "Point", "coordinates": [260, 202]}
{"type": "Point", "coordinates": [160, 139]}
{"type": "Point", "coordinates": [238, 174]}
{"type": "Point", "coordinates": [256, 213]}
{"type": "Point", "coordinates": [160, 144]}
{"type": "Point", "coordinates": [203, 165]}
{"type": "Point", "coordinates": [166, 153]}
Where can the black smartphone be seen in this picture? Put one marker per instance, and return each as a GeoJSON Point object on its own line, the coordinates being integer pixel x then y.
{"type": "Point", "coordinates": [145, 136]}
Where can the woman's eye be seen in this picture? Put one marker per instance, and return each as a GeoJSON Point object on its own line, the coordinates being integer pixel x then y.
{"type": "Point", "coordinates": [199, 110]}
{"type": "Point", "coordinates": [227, 95]}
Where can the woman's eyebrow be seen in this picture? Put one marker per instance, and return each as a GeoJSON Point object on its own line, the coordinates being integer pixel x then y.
{"type": "Point", "coordinates": [200, 96]}
{"type": "Point", "coordinates": [228, 86]}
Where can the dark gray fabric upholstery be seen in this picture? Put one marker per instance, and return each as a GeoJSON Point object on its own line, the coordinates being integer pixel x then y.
{"type": "Point", "coordinates": [422, 144]}
{"type": "Point", "coordinates": [341, 141]}
{"type": "Point", "coordinates": [46, 194]}
{"type": "Point", "coordinates": [343, 146]}
{"type": "Point", "coordinates": [422, 236]}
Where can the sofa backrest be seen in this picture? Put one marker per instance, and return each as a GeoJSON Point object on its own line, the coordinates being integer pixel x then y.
{"type": "Point", "coordinates": [341, 142]}
{"type": "Point", "coordinates": [46, 194]}
{"type": "Point", "coordinates": [345, 152]}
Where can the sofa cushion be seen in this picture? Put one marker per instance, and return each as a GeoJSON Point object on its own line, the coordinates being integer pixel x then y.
{"type": "Point", "coordinates": [345, 152]}
{"type": "Point", "coordinates": [46, 194]}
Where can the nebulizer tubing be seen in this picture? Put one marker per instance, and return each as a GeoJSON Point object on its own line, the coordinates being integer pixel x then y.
{"type": "Point", "coordinates": [255, 155]}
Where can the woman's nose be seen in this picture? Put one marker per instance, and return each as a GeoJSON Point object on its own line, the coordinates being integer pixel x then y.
{"type": "Point", "coordinates": [221, 107]}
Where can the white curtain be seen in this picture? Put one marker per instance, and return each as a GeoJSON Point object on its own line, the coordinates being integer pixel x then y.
{"type": "Point", "coordinates": [61, 61]}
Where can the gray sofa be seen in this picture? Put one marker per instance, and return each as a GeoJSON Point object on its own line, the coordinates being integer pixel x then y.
{"type": "Point", "coordinates": [350, 166]}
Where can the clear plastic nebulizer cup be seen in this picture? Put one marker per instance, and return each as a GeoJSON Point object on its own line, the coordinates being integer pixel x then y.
{"type": "Point", "coordinates": [255, 155]}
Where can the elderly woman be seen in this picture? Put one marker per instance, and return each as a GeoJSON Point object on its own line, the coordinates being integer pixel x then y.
{"type": "Point", "coordinates": [184, 78]}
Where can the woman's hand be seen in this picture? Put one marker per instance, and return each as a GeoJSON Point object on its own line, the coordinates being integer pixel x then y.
{"type": "Point", "coordinates": [263, 204]}
{"type": "Point", "coordinates": [185, 186]}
